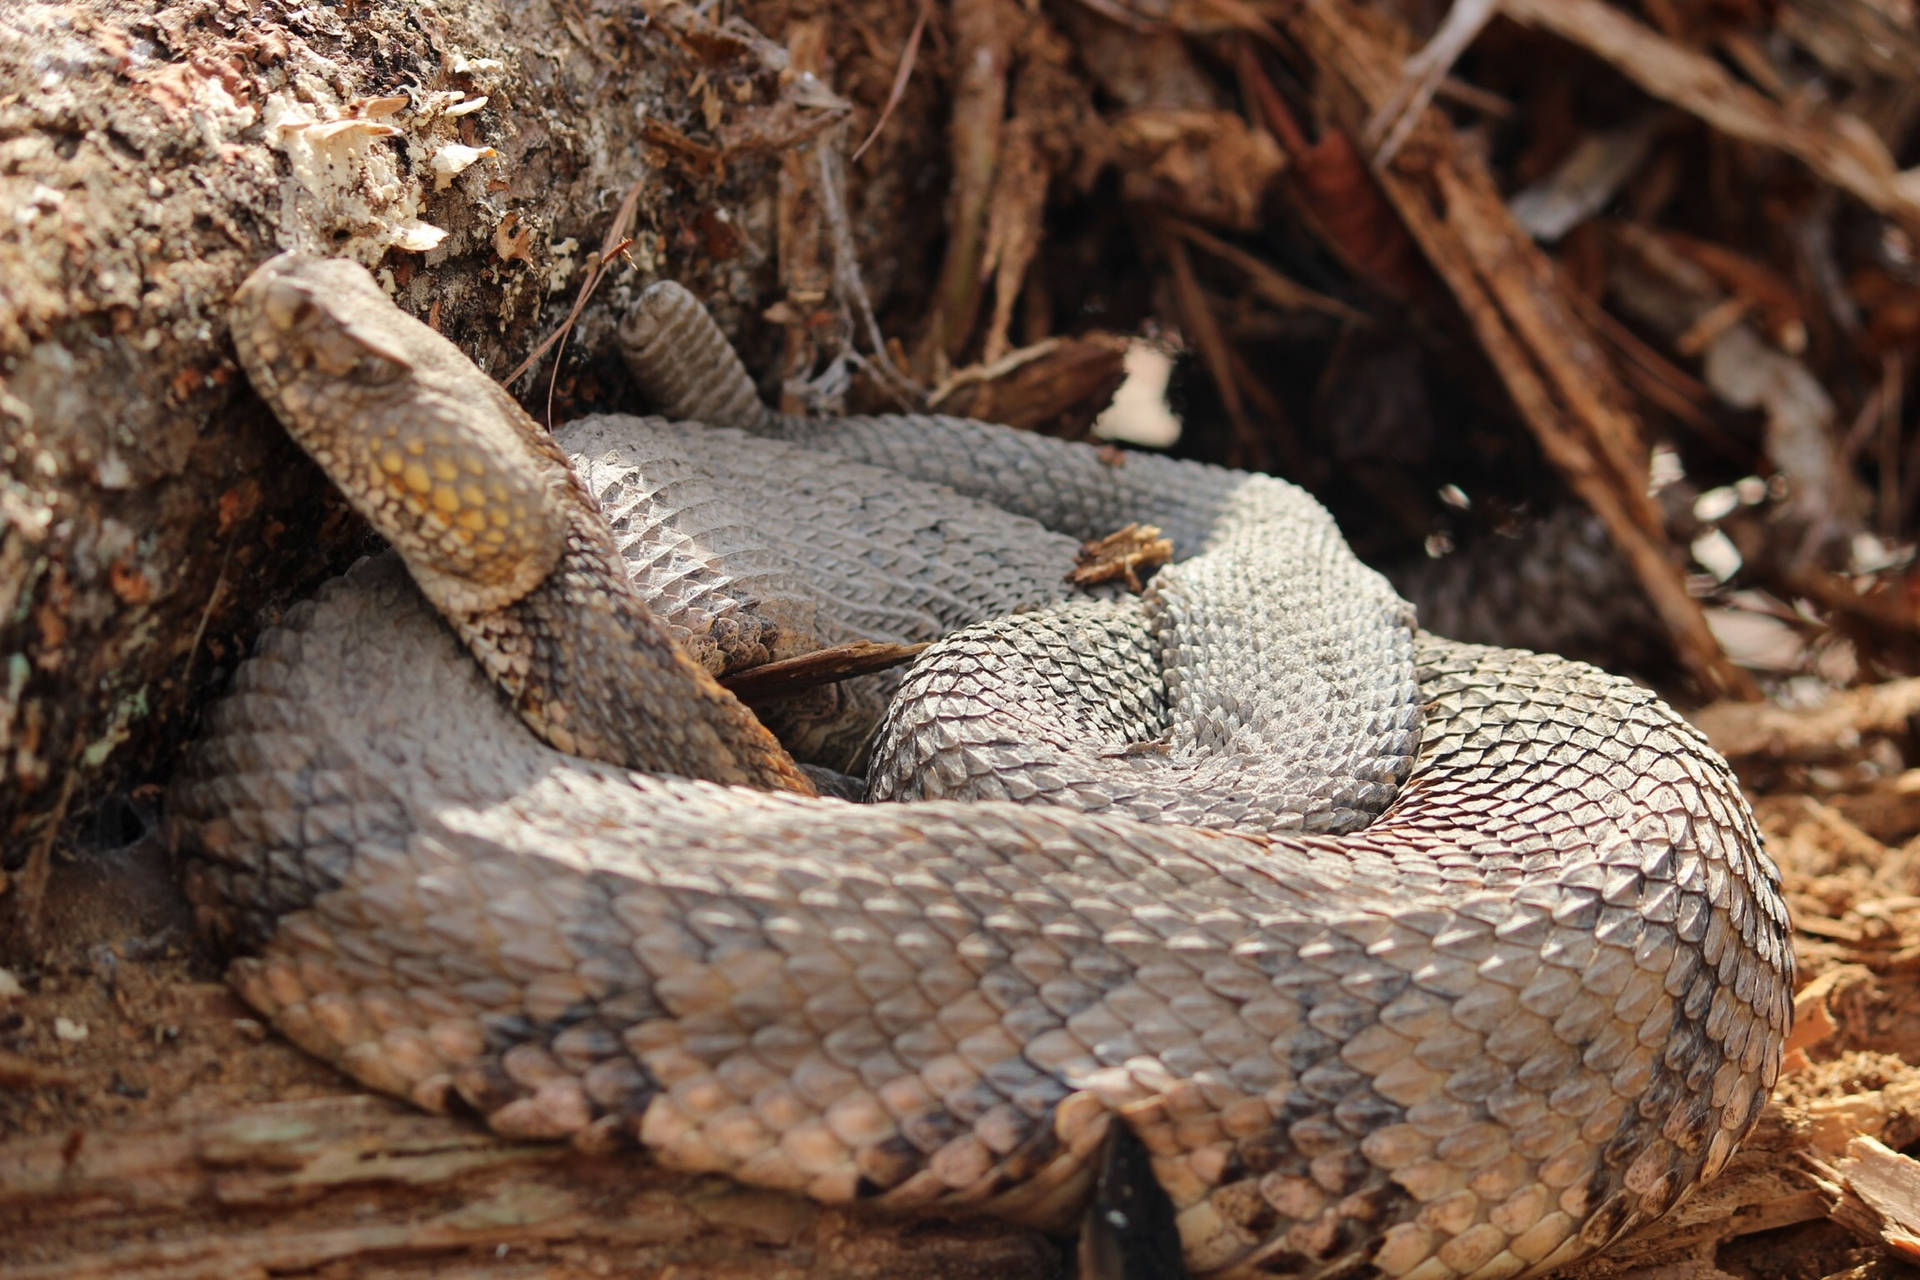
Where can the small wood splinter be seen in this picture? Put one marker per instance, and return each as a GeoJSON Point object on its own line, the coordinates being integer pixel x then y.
{"type": "Point", "coordinates": [1129, 554]}
{"type": "Point", "coordinates": [791, 676]}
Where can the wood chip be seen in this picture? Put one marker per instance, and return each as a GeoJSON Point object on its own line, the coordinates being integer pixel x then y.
{"type": "Point", "coordinates": [1876, 1193]}
{"type": "Point", "coordinates": [1122, 556]}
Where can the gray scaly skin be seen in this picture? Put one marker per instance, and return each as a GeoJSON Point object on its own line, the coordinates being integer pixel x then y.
{"type": "Point", "coordinates": [1529, 1005]}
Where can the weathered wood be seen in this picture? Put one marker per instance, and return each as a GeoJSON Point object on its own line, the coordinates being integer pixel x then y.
{"type": "Point", "coordinates": [359, 1182]}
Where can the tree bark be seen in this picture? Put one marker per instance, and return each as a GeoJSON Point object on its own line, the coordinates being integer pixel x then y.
{"type": "Point", "coordinates": [358, 1185]}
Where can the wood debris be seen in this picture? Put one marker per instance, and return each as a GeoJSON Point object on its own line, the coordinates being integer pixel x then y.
{"type": "Point", "coordinates": [1129, 554]}
{"type": "Point", "coordinates": [1876, 1193]}
{"type": "Point", "coordinates": [1832, 730]}
{"type": "Point", "coordinates": [789, 676]}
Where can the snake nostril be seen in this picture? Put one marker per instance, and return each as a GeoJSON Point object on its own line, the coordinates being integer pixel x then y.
{"type": "Point", "coordinates": [122, 821]}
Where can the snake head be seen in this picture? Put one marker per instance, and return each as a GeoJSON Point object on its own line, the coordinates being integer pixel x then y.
{"type": "Point", "coordinates": [434, 453]}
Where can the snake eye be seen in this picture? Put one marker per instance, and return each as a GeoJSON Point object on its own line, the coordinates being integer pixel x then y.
{"type": "Point", "coordinates": [357, 352]}
{"type": "Point", "coordinates": [287, 306]}
{"type": "Point", "coordinates": [375, 369]}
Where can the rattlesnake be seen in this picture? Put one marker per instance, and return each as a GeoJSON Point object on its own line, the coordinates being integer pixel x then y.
{"type": "Point", "coordinates": [1490, 972]}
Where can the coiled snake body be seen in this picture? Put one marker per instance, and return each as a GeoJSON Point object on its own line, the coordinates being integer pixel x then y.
{"type": "Point", "coordinates": [1392, 953]}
